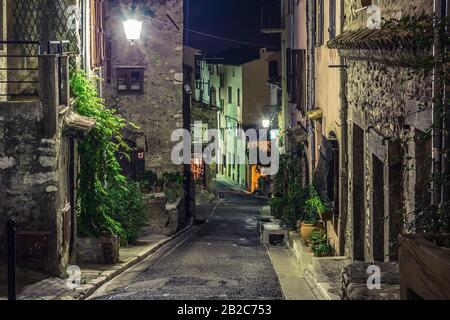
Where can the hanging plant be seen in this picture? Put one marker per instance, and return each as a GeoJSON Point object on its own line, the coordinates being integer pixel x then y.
{"type": "Point", "coordinates": [99, 168]}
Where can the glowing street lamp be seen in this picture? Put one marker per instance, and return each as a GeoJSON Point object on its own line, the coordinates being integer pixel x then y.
{"type": "Point", "coordinates": [266, 123]}
{"type": "Point", "coordinates": [133, 29]}
{"type": "Point", "coordinates": [132, 26]}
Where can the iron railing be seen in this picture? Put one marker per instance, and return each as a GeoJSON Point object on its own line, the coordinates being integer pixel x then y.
{"type": "Point", "coordinates": [22, 66]}
{"type": "Point", "coordinates": [24, 70]}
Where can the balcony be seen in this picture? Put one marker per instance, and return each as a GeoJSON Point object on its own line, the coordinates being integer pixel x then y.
{"type": "Point", "coordinates": [271, 18]}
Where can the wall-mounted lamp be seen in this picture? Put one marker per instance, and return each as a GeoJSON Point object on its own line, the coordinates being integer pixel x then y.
{"type": "Point", "coordinates": [265, 123]}
{"type": "Point", "coordinates": [132, 26]}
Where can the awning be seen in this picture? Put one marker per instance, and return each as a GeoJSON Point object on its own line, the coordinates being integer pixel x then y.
{"type": "Point", "coordinates": [76, 125]}
{"type": "Point", "coordinates": [315, 114]}
{"type": "Point", "coordinates": [393, 35]}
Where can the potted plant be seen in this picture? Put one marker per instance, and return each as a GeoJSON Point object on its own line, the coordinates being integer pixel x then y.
{"type": "Point", "coordinates": [159, 185]}
{"type": "Point", "coordinates": [318, 243]}
{"type": "Point", "coordinates": [310, 222]}
{"type": "Point", "coordinates": [323, 250]}
{"type": "Point", "coordinates": [316, 237]}
{"type": "Point", "coordinates": [147, 181]}
{"type": "Point", "coordinates": [277, 207]}
{"type": "Point", "coordinates": [173, 186]}
{"type": "Point", "coordinates": [322, 208]}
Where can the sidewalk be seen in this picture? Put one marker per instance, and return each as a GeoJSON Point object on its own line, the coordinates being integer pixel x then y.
{"type": "Point", "coordinates": [323, 274]}
{"type": "Point", "coordinates": [303, 276]}
{"type": "Point", "coordinates": [93, 276]}
{"type": "Point", "coordinates": [293, 282]}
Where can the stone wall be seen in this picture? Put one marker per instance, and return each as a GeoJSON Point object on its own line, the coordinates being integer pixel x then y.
{"type": "Point", "coordinates": [33, 180]}
{"type": "Point", "coordinates": [164, 218]}
{"type": "Point", "coordinates": [384, 100]}
{"type": "Point", "coordinates": [390, 9]}
{"type": "Point", "coordinates": [158, 111]}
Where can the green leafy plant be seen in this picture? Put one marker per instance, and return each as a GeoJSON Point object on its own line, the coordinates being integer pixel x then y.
{"type": "Point", "coordinates": [125, 205]}
{"type": "Point", "coordinates": [314, 206]}
{"type": "Point", "coordinates": [288, 186]}
{"type": "Point", "coordinates": [318, 241]}
{"type": "Point", "coordinates": [322, 250]}
{"type": "Point", "coordinates": [277, 207]}
{"type": "Point", "coordinates": [317, 236]}
{"type": "Point", "coordinates": [174, 193]}
{"type": "Point", "coordinates": [172, 178]}
{"type": "Point", "coordinates": [148, 179]}
{"type": "Point", "coordinates": [99, 167]}
{"type": "Point", "coordinates": [173, 185]}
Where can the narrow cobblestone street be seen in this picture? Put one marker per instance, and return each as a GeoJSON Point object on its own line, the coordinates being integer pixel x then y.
{"type": "Point", "coordinates": [268, 150]}
{"type": "Point", "coordinates": [220, 259]}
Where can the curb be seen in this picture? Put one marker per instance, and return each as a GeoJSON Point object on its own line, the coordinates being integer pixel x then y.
{"type": "Point", "coordinates": [89, 288]}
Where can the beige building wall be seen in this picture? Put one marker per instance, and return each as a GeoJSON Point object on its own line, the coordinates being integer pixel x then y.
{"type": "Point", "coordinates": [301, 32]}
{"type": "Point", "coordinates": [256, 94]}
{"type": "Point", "coordinates": [327, 97]}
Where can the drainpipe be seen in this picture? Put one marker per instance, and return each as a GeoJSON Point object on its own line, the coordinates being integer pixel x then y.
{"type": "Point", "coordinates": [311, 25]}
{"type": "Point", "coordinates": [343, 176]}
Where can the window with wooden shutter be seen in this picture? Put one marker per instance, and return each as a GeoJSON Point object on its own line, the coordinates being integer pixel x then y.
{"type": "Point", "coordinates": [97, 32]}
{"type": "Point", "coordinates": [332, 19]}
{"type": "Point", "coordinates": [130, 80]}
{"type": "Point", "coordinates": [299, 82]}
{"type": "Point", "coordinates": [319, 22]}
{"type": "Point", "coordinates": [289, 71]}
{"type": "Point", "coordinates": [108, 60]}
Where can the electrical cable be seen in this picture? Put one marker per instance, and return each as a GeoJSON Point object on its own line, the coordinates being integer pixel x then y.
{"type": "Point", "coordinates": [188, 30]}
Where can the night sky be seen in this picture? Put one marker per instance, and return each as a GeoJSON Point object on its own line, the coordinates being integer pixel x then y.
{"type": "Point", "coordinates": [232, 19]}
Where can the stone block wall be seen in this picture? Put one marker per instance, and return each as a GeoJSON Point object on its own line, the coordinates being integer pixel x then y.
{"type": "Point", "coordinates": [158, 111]}
{"type": "Point", "coordinates": [163, 218]}
{"type": "Point", "coordinates": [384, 101]}
{"type": "Point", "coordinates": [390, 9]}
{"type": "Point", "coordinates": [34, 187]}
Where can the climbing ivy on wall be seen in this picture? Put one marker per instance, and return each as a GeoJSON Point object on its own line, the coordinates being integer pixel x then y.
{"type": "Point", "coordinates": [100, 172]}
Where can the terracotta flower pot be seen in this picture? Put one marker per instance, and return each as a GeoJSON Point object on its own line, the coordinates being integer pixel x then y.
{"type": "Point", "coordinates": [158, 189]}
{"type": "Point", "coordinates": [306, 229]}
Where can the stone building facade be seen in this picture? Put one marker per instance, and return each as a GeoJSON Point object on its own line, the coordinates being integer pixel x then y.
{"type": "Point", "coordinates": [39, 130]}
{"type": "Point", "coordinates": [388, 158]}
{"type": "Point", "coordinates": [144, 81]}
{"type": "Point", "coordinates": [362, 90]}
